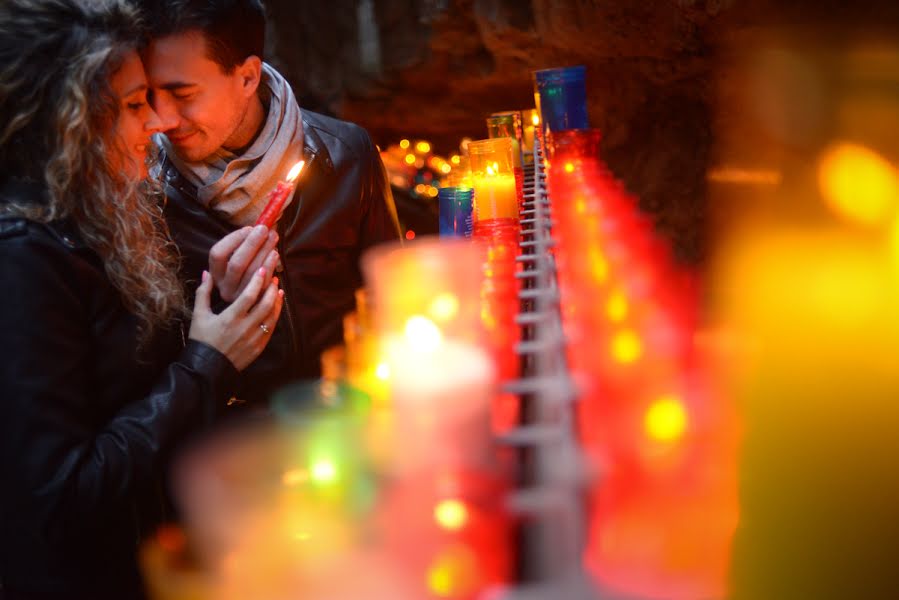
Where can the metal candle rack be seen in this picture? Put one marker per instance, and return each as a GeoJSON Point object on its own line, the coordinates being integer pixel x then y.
{"type": "Point", "coordinates": [549, 496]}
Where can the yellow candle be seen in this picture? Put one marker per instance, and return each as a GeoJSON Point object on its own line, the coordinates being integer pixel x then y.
{"type": "Point", "coordinates": [495, 196]}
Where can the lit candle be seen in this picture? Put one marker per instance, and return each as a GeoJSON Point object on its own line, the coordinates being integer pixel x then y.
{"type": "Point", "coordinates": [277, 198]}
{"type": "Point", "coordinates": [496, 195]}
{"type": "Point", "coordinates": [530, 122]}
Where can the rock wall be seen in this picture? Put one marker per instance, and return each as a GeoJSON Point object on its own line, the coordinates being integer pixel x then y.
{"type": "Point", "coordinates": [435, 68]}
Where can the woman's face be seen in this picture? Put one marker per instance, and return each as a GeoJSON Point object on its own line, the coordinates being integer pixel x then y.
{"type": "Point", "coordinates": [136, 122]}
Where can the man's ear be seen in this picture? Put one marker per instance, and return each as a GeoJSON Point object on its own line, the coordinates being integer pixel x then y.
{"type": "Point", "coordinates": [250, 73]}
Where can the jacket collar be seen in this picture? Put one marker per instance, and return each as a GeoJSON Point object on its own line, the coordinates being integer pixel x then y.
{"type": "Point", "coordinates": [314, 147]}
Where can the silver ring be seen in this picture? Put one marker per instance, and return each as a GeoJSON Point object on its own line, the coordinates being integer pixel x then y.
{"type": "Point", "coordinates": [265, 328]}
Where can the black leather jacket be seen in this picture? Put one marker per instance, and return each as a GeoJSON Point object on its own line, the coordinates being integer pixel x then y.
{"type": "Point", "coordinates": [343, 207]}
{"type": "Point", "coordinates": [86, 423]}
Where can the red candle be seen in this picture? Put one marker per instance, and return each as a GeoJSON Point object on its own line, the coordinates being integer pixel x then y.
{"type": "Point", "coordinates": [278, 197]}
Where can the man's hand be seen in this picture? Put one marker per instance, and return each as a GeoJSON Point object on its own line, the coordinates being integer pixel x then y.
{"type": "Point", "coordinates": [239, 255]}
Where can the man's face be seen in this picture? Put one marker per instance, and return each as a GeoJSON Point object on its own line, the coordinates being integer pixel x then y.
{"type": "Point", "coordinates": [201, 106]}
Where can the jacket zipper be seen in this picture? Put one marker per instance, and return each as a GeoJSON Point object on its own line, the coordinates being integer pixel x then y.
{"type": "Point", "coordinates": [291, 328]}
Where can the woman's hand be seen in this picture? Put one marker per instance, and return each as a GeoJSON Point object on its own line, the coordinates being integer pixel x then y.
{"type": "Point", "coordinates": [242, 330]}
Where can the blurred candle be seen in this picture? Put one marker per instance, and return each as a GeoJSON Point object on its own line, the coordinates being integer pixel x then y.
{"type": "Point", "coordinates": [530, 120]}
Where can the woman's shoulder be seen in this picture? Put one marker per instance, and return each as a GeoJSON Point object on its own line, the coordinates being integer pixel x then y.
{"type": "Point", "coordinates": [21, 226]}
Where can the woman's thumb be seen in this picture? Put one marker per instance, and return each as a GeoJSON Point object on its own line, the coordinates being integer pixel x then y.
{"type": "Point", "coordinates": [204, 294]}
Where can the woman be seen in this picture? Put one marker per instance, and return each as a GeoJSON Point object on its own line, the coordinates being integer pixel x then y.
{"type": "Point", "coordinates": [89, 413]}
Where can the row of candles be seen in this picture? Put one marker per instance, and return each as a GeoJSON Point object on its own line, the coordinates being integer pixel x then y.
{"type": "Point", "coordinates": [387, 468]}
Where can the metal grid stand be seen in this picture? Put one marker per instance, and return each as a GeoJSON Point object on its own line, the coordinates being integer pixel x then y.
{"type": "Point", "coordinates": [549, 497]}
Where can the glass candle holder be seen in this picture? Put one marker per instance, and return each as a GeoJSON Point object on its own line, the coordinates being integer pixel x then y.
{"type": "Point", "coordinates": [455, 206]}
{"type": "Point", "coordinates": [563, 98]}
{"type": "Point", "coordinates": [493, 178]}
{"type": "Point", "coordinates": [508, 124]}
{"type": "Point", "coordinates": [530, 122]}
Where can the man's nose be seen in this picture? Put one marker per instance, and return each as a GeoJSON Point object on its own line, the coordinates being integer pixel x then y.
{"type": "Point", "coordinates": [166, 111]}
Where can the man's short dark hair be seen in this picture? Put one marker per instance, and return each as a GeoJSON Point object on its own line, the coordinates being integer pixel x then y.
{"type": "Point", "coordinates": [234, 29]}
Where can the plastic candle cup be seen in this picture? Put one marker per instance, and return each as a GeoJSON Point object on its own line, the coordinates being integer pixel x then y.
{"type": "Point", "coordinates": [563, 98]}
{"type": "Point", "coordinates": [455, 204]}
{"type": "Point", "coordinates": [493, 179]}
{"type": "Point", "coordinates": [530, 121]}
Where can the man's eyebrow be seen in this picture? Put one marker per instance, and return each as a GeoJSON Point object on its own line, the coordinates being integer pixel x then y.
{"type": "Point", "coordinates": [175, 85]}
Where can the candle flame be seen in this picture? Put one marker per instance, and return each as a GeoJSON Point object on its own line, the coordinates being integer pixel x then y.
{"type": "Point", "coordinates": [535, 120]}
{"type": "Point", "coordinates": [490, 170]}
{"type": "Point", "coordinates": [295, 171]}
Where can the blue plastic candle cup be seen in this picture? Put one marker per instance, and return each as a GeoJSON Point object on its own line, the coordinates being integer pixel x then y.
{"type": "Point", "coordinates": [563, 98]}
{"type": "Point", "coordinates": [455, 205]}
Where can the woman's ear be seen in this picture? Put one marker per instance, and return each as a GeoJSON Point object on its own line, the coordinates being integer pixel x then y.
{"type": "Point", "coordinates": [250, 73]}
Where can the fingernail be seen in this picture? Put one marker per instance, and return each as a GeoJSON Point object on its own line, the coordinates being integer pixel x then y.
{"type": "Point", "coordinates": [204, 276]}
{"type": "Point", "coordinates": [282, 294]}
{"type": "Point", "coordinates": [260, 229]}
{"type": "Point", "coordinates": [261, 272]}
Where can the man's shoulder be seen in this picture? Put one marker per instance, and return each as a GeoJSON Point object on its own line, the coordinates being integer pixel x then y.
{"type": "Point", "coordinates": [338, 134]}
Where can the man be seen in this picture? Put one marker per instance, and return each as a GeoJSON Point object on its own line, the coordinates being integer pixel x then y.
{"type": "Point", "coordinates": [232, 131]}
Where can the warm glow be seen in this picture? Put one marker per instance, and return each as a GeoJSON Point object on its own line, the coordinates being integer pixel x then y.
{"type": "Point", "coordinates": [444, 307]}
{"type": "Point", "coordinates": [432, 191]}
{"type": "Point", "coordinates": [453, 573]}
{"type": "Point", "coordinates": [404, 144]}
{"type": "Point", "coordinates": [666, 419]}
{"type": "Point", "coordinates": [294, 477]}
{"type": "Point", "coordinates": [490, 171]}
{"type": "Point", "coordinates": [858, 184]}
{"type": "Point", "coordinates": [295, 171]}
{"type": "Point", "coordinates": [410, 159]}
{"type": "Point", "coordinates": [382, 371]}
{"type": "Point", "coordinates": [324, 471]}
{"type": "Point", "coordinates": [626, 347]}
{"type": "Point", "coordinates": [423, 147]}
{"type": "Point", "coordinates": [535, 119]}
{"type": "Point", "coordinates": [599, 267]}
{"type": "Point", "coordinates": [423, 335]}
{"type": "Point", "coordinates": [410, 235]}
{"type": "Point", "coordinates": [420, 189]}
{"type": "Point", "coordinates": [451, 514]}
{"type": "Point", "coordinates": [616, 307]}
{"type": "Point", "coordinates": [455, 159]}
{"type": "Point", "coordinates": [569, 167]}
{"type": "Point", "coordinates": [445, 168]}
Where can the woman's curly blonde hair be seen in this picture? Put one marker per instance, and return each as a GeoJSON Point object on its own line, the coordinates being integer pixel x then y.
{"type": "Point", "coordinates": [57, 127]}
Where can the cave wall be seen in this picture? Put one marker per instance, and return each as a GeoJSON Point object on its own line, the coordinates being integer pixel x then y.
{"type": "Point", "coordinates": [434, 69]}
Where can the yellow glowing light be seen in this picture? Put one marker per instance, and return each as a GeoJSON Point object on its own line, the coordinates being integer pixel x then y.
{"type": "Point", "coordinates": [599, 266]}
{"type": "Point", "coordinates": [451, 514]}
{"type": "Point", "coordinates": [302, 536]}
{"type": "Point", "coordinates": [423, 335]}
{"type": "Point", "coordinates": [858, 184]}
{"type": "Point", "coordinates": [295, 170]}
{"type": "Point", "coordinates": [382, 371]}
{"type": "Point", "coordinates": [404, 144]}
{"type": "Point", "coordinates": [666, 419]}
{"type": "Point", "coordinates": [535, 119]}
{"type": "Point", "coordinates": [444, 307]}
{"type": "Point", "coordinates": [294, 477]}
{"type": "Point", "coordinates": [455, 159]}
{"type": "Point", "coordinates": [490, 171]}
{"type": "Point", "coordinates": [423, 147]}
{"type": "Point", "coordinates": [569, 167]}
{"type": "Point", "coordinates": [410, 159]}
{"type": "Point", "coordinates": [626, 346]}
{"type": "Point", "coordinates": [432, 191]}
{"type": "Point", "coordinates": [453, 573]}
{"type": "Point", "coordinates": [616, 307]}
{"type": "Point", "coordinates": [445, 168]}
{"type": "Point", "coordinates": [324, 471]}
